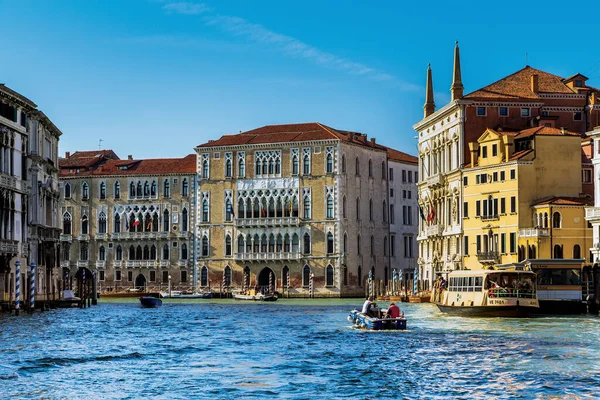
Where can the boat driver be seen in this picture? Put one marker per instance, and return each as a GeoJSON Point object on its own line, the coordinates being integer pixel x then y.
{"type": "Point", "coordinates": [367, 305]}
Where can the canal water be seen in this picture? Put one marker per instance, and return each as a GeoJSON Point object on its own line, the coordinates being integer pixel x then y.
{"type": "Point", "coordinates": [300, 349]}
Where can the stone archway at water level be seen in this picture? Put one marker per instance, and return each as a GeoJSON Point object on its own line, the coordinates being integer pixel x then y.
{"type": "Point", "coordinates": [140, 281]}
{"type": "Point", "coordinates": [264, 276]}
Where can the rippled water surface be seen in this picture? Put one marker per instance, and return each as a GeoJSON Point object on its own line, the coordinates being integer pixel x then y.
{"type": "Point", "coordinates": [291, 349]}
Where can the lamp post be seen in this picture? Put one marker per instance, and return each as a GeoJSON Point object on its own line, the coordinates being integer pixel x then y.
{"type": "Point", "coordinates": [169, 286]}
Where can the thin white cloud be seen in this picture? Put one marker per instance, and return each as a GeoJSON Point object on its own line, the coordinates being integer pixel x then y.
{"type": "Point", "coordinates": [287, 45]}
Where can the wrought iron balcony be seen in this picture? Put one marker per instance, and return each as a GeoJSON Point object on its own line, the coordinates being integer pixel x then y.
{"type": "Point", "coordinates": [9, 246]}
{"type": "Point", "coordinates": [267, 256]}
{"type": "Point", "coordinates": [488, 257]}
{"type": "Point", "coordinates": [534, 232]}
{"type": "Point", "coordinates": [489, 217]}
{"type": "Point", "coordinates": [275, 221]}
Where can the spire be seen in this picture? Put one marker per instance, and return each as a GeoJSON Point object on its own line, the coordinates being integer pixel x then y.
{"type": "Point", "coordinates": [429, 106]}
{"type": "Point", "coordinates": [457, 87]}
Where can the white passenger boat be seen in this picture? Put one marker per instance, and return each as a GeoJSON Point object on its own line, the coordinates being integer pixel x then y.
{"type": "Point", "coordinates": [505, 292]}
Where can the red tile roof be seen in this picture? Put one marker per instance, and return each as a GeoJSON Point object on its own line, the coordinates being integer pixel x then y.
{"type": "Point", "coordinates": [566, 201]}
{"type": "Point", "coordinates": [544, 131]}
{"type": "Point", "coordinates": [520, 154]}
{"type": "Point", "coordinates": [291, 133]}
{"type": "Point", "coordinates": [86, 159]}
{"type": "Point", "coordinates": [517, 86]}
{"type": "Point", "coordinates": [152, 166]}
{"type": "Point", "coordinates": [400, 156]}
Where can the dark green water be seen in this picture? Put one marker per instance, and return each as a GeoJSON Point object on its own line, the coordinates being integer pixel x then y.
{"type": "Point", "coordinates": [302, 349]}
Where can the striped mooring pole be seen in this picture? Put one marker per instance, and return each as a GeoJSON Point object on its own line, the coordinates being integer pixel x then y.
{"type": "Point", "coordinates": [271, 288]}
{"type": "Point", "coordinates": [311, 285]}
{"type": "Point", "coordinates": [415, 280]}
{"type": "Point", "coordinates": [245, 282]}
{"type": "Point", "coordinates": [17, 286]}
{"type": "Point", "coordinates": [370, 283]}
{"type": "Point", "coordinates": [32, 287]}
{"type": "Point", "coordinates": [224, 283]}
{"type": "Point", "coordinates": [288, 280]}
{"type": "Point", "coordinates": [83, 287]}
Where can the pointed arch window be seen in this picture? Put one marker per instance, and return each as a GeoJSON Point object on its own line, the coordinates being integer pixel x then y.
{"type": "Point", "coordinates": [153, 252]}
{"type": "Point", "coordinates": [83, 251]}
{"type": "Point", "coordinates": [146, 189]}
{"type": "Point", "coordinates": [204, 276]}
{"type": "Point", "coordinates": [306, 161]}
{"type": "Point", "coordinates": [295, 243]}
{"type": "Point", "coordinates": [184, 220]}
{"type": "Point", "coordinates": [67, 190]}
{"type": "Point", "coordinates": [102, 222]}
{"type": "Point", "coordinates": [370, 209]}
{"type": "Point", "coordinates": [184, 251]}
{"type": "Point", "coordinates": [146, 255]}
{"type": "Point", "coordinates": [295, 162]}
{"type": "Point", "coordinates": [84, 225]}
{"type": "Point", "coordinates": [343, 163]}
{"type": "Point", "coordinates": [240, 244]}
{"type": "Point", "coordinates": [385, 246]}
{"type": "Point", "coordinates": [344, 207]}
{"type": "Point", "coordinates": [204, 246]}
{"type": "Point", "coordinates": [306, 249]}
{"type": "Point", "coordinates": [384, 211]}
{"type": "Point", "coordinates": [117, 190]}
{"type": "Point", "coordinates": [357, 166]}
{"type": "Point", "coordinates": [345, 269]}
{"type": "Point", "coordinates": [370, 168]}
{"type": "Point", "coordinates": [358, 245]}
{"type": "Point", "coordinates": [66, 253]}
{"type": "Point", "coordinates": [205, 169]}
{"type": "Point", "coordinates": [241, 165]}
{"type": "Point", "coordinates": [166, 221]}
{"type": "Point", "coordinates": [228, 210]}
{"type": "Point", "coordinates": [139, 192]}
{"type": "Point", "coordinates": [228, 249]}
{"type": "Point", "coordinates": [227, 276]}
{"type": "Point", "coordinates": [85, 191]}
{"type": "Point", "coordinates": [153, 188]}
{"type": "Point", "coordinates": [358, 209]}
{"type": "Point", "coordinates": [138, 252]}
{"type": "Point", "coordinates": [383, 170]}
{"type": "Point", "coordinates": [102, 190]}
{"type": "Point", "coordinates": [306, 202]}
{"type": "Point", "coordinates": [329, 276]}
{"type": "Point", "coordinates": [67, 223]}
{"type": "Point", "coordinates": [359, 276]}
{"type": "Point", "coordinates": [155, 222]}
{"type": "Point", "coordinates": [119, 253]}
{"type": "Point", "coordinates": [372, 245]}
{"type": "Point", "coordinates": [185, 187]}
{"type": "Point", "coordinates": [330, 206]}
{"type": "Point", "coordinates": [166, 189]}
{"type": "Point", "coordinates": [131, 253]}
{"type": "Point", "coordinates": [329, 163]}
{"type": "Point", "coordinates": [165, 252]}
{"type": "Point", "coordinates": [205, 210]}
{"type": "Point", "coordinates": [330, 243]}
{"type": "Point", "coordinates": [305, 276]}
{"type": "Point", "coordinates": [132, 190]}
{"type": "Point", "coordinates": [345, 243]}
{"type": "Point", "coordinates": [147, 223]}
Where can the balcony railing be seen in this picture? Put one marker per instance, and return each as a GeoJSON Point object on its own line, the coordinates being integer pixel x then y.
{"type": "Point", "coordinates": [138, 235]}
{"type": "Point", "coordinates": [83, 264]}
{"type": "Point", "coordinates": [118, 264]}
{"type": "Point", "coordinates": [164, 263]}
{"type": "Point", "coordinates": [8, 182]}
{"type": "Point", "coordinates": [101, 264]}
{"type": "Point", "coordinates": [182, 263]}
{"type": "Point", "coordinates": [433, 180]}
{"type": "Point", "coordinates": [101, 236]}
{"type": "Point", "coordinates": [65, 264]}
{"type": "Point", "coordinates": [489, 217]}
{"type": "Point", "coordinates": [266, 256]}
{"type": "Point", "coordinates": [592, 213]}
{"type": "Point", "coordinates": [83, 238]}
{"type": "Point", "coordinates": [434, 230]}
{"type": "Point", "coordinates": [488, 257]}
{"type": "Point", "coordinates": [65, 238]}
{"type": "Point", "coordinates": [9, 246]}
{"type": "Point", "coordinates": [275, 221]}
{"type": "Point", "coordinates": [534, 232]}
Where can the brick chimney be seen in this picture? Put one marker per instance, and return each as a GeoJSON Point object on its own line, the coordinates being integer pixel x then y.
{"type": "Point", "coordinates": [372, 140]}
{"type": "Point", "coordinates": [129, 157]}
{"type": "Point", "coordinates": [67, 154]}
{"type": "Point", "coordinates": [535, 83]}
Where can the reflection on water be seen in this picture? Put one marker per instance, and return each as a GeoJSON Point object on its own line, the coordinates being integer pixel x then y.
{"type": "Point", "coordinates": [291, 349]}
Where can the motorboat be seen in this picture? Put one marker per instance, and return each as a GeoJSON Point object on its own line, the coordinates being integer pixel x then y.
{"type": "Point", "coordinates": [150, 301]}
{"type": "Point", "coordinates": [69, 300]}
{"type": "Point", "coordinates": [177, 294]}
{"type": "Point", "coordinates": [363, 321]}
{"type": "Point", "coordinates": [254, 296]}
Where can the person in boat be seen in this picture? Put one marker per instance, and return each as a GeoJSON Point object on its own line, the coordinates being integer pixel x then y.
{"type": "Point", "coordinates": [393, 311]}
{"type": "Point", "coordinates": [367, 305]}
{"type": "Point", "coordinates": [374, 311]}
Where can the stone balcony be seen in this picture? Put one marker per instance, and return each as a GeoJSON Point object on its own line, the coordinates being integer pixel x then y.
{"type": "Point", "coordinates": [83, 238]}
{"type": "Point", "coordinates": [267, 256]}
{"type": "Point", "coordinates": [65, 264]}
{"type": "Point", "coordinates": [534, 232]}
{"type": "Point", "coordinates": [83, 264]}
{"type": "Point", "coordinates": [9, 246]}
{"type": "Point", "coordinates": [138, 235]}
{"type": "Point", "coordinates": [65, 238]}
{"type": "Point", "coordinates": [101, 264]}
{"type": "Point", "coordinates": [275, 221]}
{"type": "Point", "coordinates": [434, 230]}
{"type": "Point", "coordinates": [164, 263]}
{"type": "Point", "coordinates": [592, 213]}
{"type": "Point", "coordinates": [182, 263]}
{"type": "Point", "coordinates": [434, 180]}
{"type": "Point", "coordinates": [488, 257]}
{"type": "Point", "coordinates": [8, 182]}
{"type": "Point", "coordinates": [101, 236]}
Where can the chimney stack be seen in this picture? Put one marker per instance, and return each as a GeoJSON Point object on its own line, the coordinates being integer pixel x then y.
{"type": "Point", "coordinates": [372, 140]}
{"type": "Point", "coordinates": [130, 157]}
{"type": "Point", "coordinates": [534, 83]}
{"type": "Point", "coordinates": [67, 154]}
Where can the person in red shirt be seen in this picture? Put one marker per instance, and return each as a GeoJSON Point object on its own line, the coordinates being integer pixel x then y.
{"type": "Point", "coordinates": [393, 311]}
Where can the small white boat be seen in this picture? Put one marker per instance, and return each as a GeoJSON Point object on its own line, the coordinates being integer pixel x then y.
{"type": "Point", "coordinates": [256, 296]}
{"type": "Point", "coordinates": [69, 300]}
{"type": "Point", "coordinates": [177, 294]}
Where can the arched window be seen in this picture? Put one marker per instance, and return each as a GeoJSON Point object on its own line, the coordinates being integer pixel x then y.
{"type": "Point", "coordinates": [305, 275]}
{"type": "Point", "coordinates": [306, 207]}
{"type": "Point", "coordinates": [359, 276]}
{"type": "Point", "coordinates": [329, 163]}
{"type": "Point", "coordinates": [343, 164]}
{"type": "Point", "coordinates": [384, 211]}
{"type": "Point", "coordinates": [153, 252]}
{"type": "Point", "coordinates": [84, 225]}
{"type": "Point", "coordinates": [345, 243]}
{"type": "Point", "coordinates": [306, 164]}
{"type": "Point", "coordinates": [132, 190]}
{"type": "Point", "coordinates": [155, 222]}
{"type": "Point", "coordinates": [204, 277]}
{"type": "Point", "coordinates": [205, 210]}
{"type": "Point", "coordinates": [102, 222]}
{"type": "Point", "coordinates": [241, 167]}
{"type": "Point", "coordinates": [556, 220]}
{"type": "Point", "coordinates": [184, 220]}
{"type": "Point", "coordinates": [131, 253]}
{"type": "Point", "coordinates": [344, 207]}
{"type": "Point", "coordinates": [67, 223]}
{"type": "Point", "coordinates": [558, 251]}
{"type": "Point", "coordinates": [357, 166]}
{"type": "Point", "coordinates": [139, 223]}
{"type": "Point", "coordinates": [358, 209]}
{"type": "Point", "coordinates": [85, 191]}
{"type": "Point", "coordinates": [138, 191]}
{"type": "Point", "coordinates": [117, 190]}
{"type": "Point", "coordinates": [329, 206]}
{"type": "Point", "coordinates": [66, 253]}
{"type": "Point", "coordinates": [383, 170]}
{"type": "Point", "coordinates": [329, 276]}
{"type": "Point", "coordinates": [532, 252]}
{"type": "Point", "coordinates": [146, 189]}
{"type": "Point", "coordinates": [256, 244]}
{"type": "Point", "coordinates": [166, 188]}
{"type": "Point", "coordinates": [67, 191]}
{"type": "Point", "coordinates": [153, 188]}
{"type": "Point", "coordinates": [306, 243]}
{"type": "Point", "coordinates": [228, 210]}
{"type": "Point", "coordinates": [279, 244]}
{"type": "Point", "coordinates": [166, 221]}
{"type": "Point", "coordinates": [138, 253]}
{"type": "Point", "coordinates": [227, 275]}
{"type": "Point", "coordinates": [165, 255]}
{"type": "Point", "coordinates": [263, 243]}
{"type": "Point", "coordinates": [385, 246]}
{"type": "Point", "coordinates": [330, 244]}
{"type": "Point", "coordinates": [545, 220]}
{"type": "Point", "coordinates": [83, 251]}
{"type": "Point", "coordinates": [295, 165]}
{"type": "Point", "coordinates": [146, 255]}
{"type": "Point", "coordinates": [102, 254]}
{"type": "Point", "coordinates": [119, 253]}
{"type": "Point", "coordinates": [370, 168]}
{"type": "Point", "coordinates": [271, 243]}
{"type": "Point", "coordinates": [227, 245]}
{"type": "Point", "coordinates": [205, 169]}
{"type": "Point", "coordinates": [295, 243]}
{"type": "Point", "coordinates": [205, 246]}
{"type": "Point", "coordinates": [240, 244]}
{"type": "Point", "coordinates": [370, 209]}
{"type": "Point", "coordinates": [576, 251]}
{"type": "Point", "coordinates": [358, 245]}
{"type": "Point", "coordinates": [284, 276]}
{"type": "Point", "coordinates": [185, 189]}
{"type": "Point", "coordinates": [184, 252]}
{"type": "Point", "coordinates": [102, 190]}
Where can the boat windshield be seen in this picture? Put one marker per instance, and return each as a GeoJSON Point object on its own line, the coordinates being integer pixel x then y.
{"type": "Point", "coordinates": [504, 284]}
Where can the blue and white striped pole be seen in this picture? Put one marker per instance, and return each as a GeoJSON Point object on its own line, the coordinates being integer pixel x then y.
{"type": "Point", "coordinates": [32, 287]}
{"type": "Point", "coordinates": [17, 286]}
{"type": "Point", "coordinates": [83, 287]}
{"type": "Point", "coordinates": [415, 280]}
{"type": "Point", "coordinates": [370, 283]}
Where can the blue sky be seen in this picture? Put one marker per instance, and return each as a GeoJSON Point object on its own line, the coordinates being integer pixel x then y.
{"type": "Point", "coordinates": [154, 78]}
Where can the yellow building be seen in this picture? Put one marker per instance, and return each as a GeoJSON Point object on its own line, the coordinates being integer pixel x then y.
{"type": "Point", "coordinates": [513, 178]}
